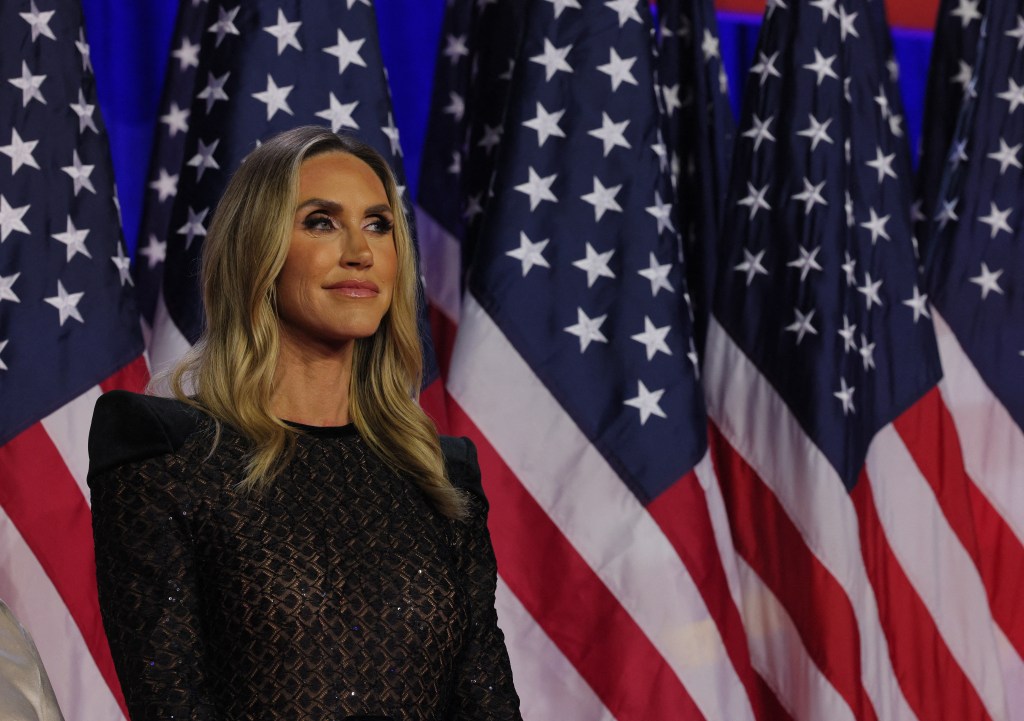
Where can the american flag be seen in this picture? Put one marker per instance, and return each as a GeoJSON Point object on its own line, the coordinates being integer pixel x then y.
{"type": "Point", "coordinates": [976, 282]}
{"type": "Point", "coordinates": [862, 583]}
{"type": "Point", "coordinates": [574, 369]}
{"type": "Point", "coordinates": [69, 330]}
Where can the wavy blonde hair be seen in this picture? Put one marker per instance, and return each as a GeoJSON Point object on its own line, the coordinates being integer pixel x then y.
{"type": "Point", "coordinates": [230, 370]}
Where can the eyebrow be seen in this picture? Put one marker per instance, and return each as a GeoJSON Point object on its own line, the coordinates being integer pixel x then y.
{"type": "Point", "coordinates": [333, 207]}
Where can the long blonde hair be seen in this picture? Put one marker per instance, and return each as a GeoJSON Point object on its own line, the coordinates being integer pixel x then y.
{"type": "Point", "coordinates": [230, 370]}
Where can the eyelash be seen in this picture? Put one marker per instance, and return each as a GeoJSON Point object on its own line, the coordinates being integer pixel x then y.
{"type": "Point", "coordinates": [318, 222]}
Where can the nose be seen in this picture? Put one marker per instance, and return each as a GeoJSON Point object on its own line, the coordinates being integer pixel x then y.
{"type": "Point", "coordinates": [355, 251]}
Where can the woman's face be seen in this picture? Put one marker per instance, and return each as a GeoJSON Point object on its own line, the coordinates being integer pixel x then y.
{"type": "Point", "coordinates": [339, 274]}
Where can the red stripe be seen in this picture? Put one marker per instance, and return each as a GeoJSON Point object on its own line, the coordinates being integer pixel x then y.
{"type": "Point", "coordinates": [991, 543]}
{"type": "Point", "coordinates": [816, 603]}
{"type": "Point", "coordinates": [567, 599]}
{"type": "Point", "coordinates": [133, 377]}
{"type": "Point", "coordinates": [682, 513]}
{"type": "Point", "coordinates": [931, 679]}
{"type": "Point", "coordinates": [46, 505]}
{"type": "Point", "coordinates": [443, 331]}
{"type": "Point", "coordinates": [434, 404]}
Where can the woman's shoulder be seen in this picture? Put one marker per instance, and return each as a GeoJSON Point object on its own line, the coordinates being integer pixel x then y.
{"type": "Point", "coordinates": [461, 464]}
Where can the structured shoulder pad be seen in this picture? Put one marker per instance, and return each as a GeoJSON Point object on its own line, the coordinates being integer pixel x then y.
{"type": "Point", "coordinates": [461, 464]}
{"type": "Point", "coordinates": [129, 427]}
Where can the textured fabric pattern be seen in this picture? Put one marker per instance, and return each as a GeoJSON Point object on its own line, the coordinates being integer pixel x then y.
{"type": "Point", "coordinates": [338, 592]}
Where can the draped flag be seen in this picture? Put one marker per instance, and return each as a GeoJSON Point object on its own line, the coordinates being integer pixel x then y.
{"type": "Point", "coordinates": [69, 330]}
{"type": "Point", "coordinates": [976, 283]}
{"type": "Point", "coordinates": [863, 586]}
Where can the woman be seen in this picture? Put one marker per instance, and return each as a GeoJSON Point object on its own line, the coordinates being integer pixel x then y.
{"type": "Point", "coordinates": [293, 540]}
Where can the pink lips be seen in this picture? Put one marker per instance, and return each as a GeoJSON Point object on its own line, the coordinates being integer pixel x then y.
{"type": "Point", "coordinates": [355, 288]}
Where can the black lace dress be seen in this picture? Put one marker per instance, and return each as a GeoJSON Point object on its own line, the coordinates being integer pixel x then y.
{"type": "Point", "coordinates": [339, 592]}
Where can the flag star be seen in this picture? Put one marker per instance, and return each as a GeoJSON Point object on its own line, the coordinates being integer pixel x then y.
{"type": "Point", "coordinates": [587, 329]}
{"type": "Point", "coordinates": [894, 68]}
{"type": "Point", "coordinates": [947, 213]}
{"type": "Point", "coordinates": [709, 46]}
{"type": "Point", "coordinates": [79, 173]}
{"type": "Point", "coordinates": [187, 55]}
{"type": "Point", "coordinates": [772, 5]}
{"type": "Point", "coordinates": [455, 48]}
{"type": "Point", "coordinates": [193, 226]}
{"type": "Point", "coordinates": [847, 333]}
{"type": "Point", "coordinates": [822, 66]}
{"type": "Point", "coordinates": [491, 138]}
{"type": "Point", "coordinates": [3, 344]}
{"type": "Point", "coordinates": [661, 150]}
{"type": "Point", "coordinates": [895, 128]}
{"type": "Point", "coordinates": [657, 274]}
{"type": "Point", "coordinates": [84, 112]}
{"type": "Point", "coordinates": [851, 220]}
{"type": "Point", "coordinates": [811, 195]}
{"type": "Point", "coordinates": [755, 199]}
{"type": "Point", "coordinates": [347, 52]}
{"type": "Point", "coordinates": [870, 291]}
{"type": "Point", "coordinates": [845, 394]}
{"type": "Point", "coordinates": [39, 22]}
{"type": "Point", "coordinates": [10, 219]}
{"type": "Point", "coordinates": [538, 188]}
{"type": "Point", "coordinates": [225, 24]}
{"type": "Point", "coordinates": [967, 11]}
{"type": "Point", "coordinates": [7, 286]}
{"type": "Point", "coordinates": [670, 95]}
{"type": "Point", "coordinates": [883, 164]}
{"type": "Point", "coordinates": [1006, 156]}
{"type": "Point", "coordinates": [662, 212]}
{"type": "Point", "coordinates": [155, 251]}
{"type": "Point", "coordinates": [83, 50]}
{"type": "Point", "coordinates": [602, 198]}
{"type": "Point", "coordinates": [611, 134]}
{"type": "Point", "coordinates": [867, 352]}
{"type": "Point", "coordinates": [849, 267]}
{"type": "Point", "coordinates": [802, 325]}
{"type": "Point", "coordinates": [339, 114]}
{"type": "Point", "coordinates": [846, 90]}
{"type": "Point", "coordinates": [350, 3]}
{"type": "Point", "coordinates": [204, 159]}
{"type": "Point", "coordinates": [806, 262]}
{"type": "Point", "coordinates": [456, 167]}
{"type": "Point", "coordinates": [653, 338]}
{"type": "Point", "coordinates": [647, 402]}
{"type": "Point", "coordinates": [166, 186]}
{"type": "Point", "coordinates": [988, 281]}
{"type": "Point", "coordinates": [619, 70]}
{"type": "Point", "coordinates": [759, 130]}
{"type": "Point", "coordinates": [123, 264]}
{"type": "Point", "coordinates": [1014, 95]}
{"type": "Point", "coordinates": [553, 59]}
{"type": "Point", "coordinates": [958, 154]}
{"type": "Point", "coordinates": [214, 89]}
{"type": "Point", "coordinates": [963, 75]}
{"type": "Point", "coordinates": [1018, 33]}
{"type": "Point", "coordinates": [74, 239]}
{"type": "Point", "coordinates": [816, 131]}
{"type": "Point", "coordinates": [765, 66]}
{"type": "Point", "coordinates": [846, 26]}
{"type": "Point", "coordinates": [176, 119]}
{"type": "Point", "coordinates": [391, 131]}
{"type": "Point", "coordinates": [996, 219]}
{"type": "Point", "coordinates": [847, 150]}
{"type": "Point", "coordinates": [626, 10]}
{"type": "Point", "coordinates": [876, 225]}
{"type": "Point", "coordinates": [595, 264]}
{"type": "Point", "coordinates": [473, 207]}
{"type": "Point", "coordinates": [29, 85]}
{"type": "Point", "coordinates": [456, 107]}
{"type": "Point", "coordinates": [20, 152]}
{"type": "Point", "coordinates": [694, 358]}
{"type": "Point", "coordinates": [546, 124]}
{"type": "Point", "coordinates": [529, 253]}
{"type": "Point", "coordinates": [274, 97]}
{"type": "Point", "coordinates": [561, 5]}
{"type": "Point", "coordinates": [827, 7]}
{"type": "Point", "coordinates": [919, 304]}
{"type": "Point", "coordinates": [751, 265]}
{"type": "Point", "coordinates": [66, 304]}
{"type": "Point", "coordinates": [285, 32]}
{"type": "Point", "coordinates": [507, 75]}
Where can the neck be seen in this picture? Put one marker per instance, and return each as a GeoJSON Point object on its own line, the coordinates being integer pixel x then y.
{"type": "Point", "coordinates": [311, 384]}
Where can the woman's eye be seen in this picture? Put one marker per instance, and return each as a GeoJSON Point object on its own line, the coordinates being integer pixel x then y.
{"type": "Point", "coordinates": [380, 225]}
{"type": "Point", "coordinates": [318, 222]}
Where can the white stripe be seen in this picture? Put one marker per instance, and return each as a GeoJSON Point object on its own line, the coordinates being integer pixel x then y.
{"type": "Point", "coordinates": [81, 690]}
{"type": "Point", "coordinates": [548, 684]}
{"type": "Point", "coordinates": [68, 428]}
{"type": "Point", "coordinates": [759, 425]}
{"type": "Point", "coordinates": [1013, 676]}
{"type": "Point", "coordinates": [720, 526]}
{"type": "Point", "coordinates": [440, 263]}
{"type": "Point", "coordinates": [992, 443]}
{"type": "Point", "coordinates": [167, 344]}
{"type": "Point", "coordinates": [584, 497]}
{"type": "Point", "coordinates": [937, 565]}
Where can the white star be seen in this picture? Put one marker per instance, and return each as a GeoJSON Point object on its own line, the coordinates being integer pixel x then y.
{"type": "Point", "coordinates": [193, 226]}
{"type": "Point", "coordinates": [529, 253]}
{"type": "Point", "coordinates": [709, 46]}
{"type": "Point", "coordinates": [967, 11]}
{"type": "Point", "coordinates": [958, 154]}
{"type": "Point", "coordinates": [751, 265]}
{"type": "Point", "coordinates": [214, 89]}
{"type": "Point", "coordinates": [963, 76]}
{"type": "Point", "coordinates": [848, 267]}
{"type": "Point", "coordinates": [66, 304]}
{"type": "Point", "coordinates": [74, 239]}
{"type": "Point", "coordinates": [225, 24]}
{"type": "Point", "coordinates": [851, 220]}
{"type": "Point", "coordinates": [802, 325]}
{"type": "Point", "coordinates": [561, 5]}
{"type": "Point", "coordinates": [894, 125]}
{"type": "Point", "coordinates": [456, 167]}
{"type": "Point", "coordinates": [285, 32]}
{"type": "Point", "coordinates": [473, 207]}
{"type": "Point", "coordinates": [759, 131]}
{"type": "Point", "coordinates": [846, 26]}
{"type": "Point", "coordinates": [456, 106]}
{"type": "Point", "coordinates": [39, 22]}
{"type": "Point", "coordinates": [822, 66]}
{"type": "Point", "coordinates": [507, 75]}
{"type": "Point", "coordinates": [772, 5]}
{"type": "Point", "coordinates": [618, 69]}
{"type": "Point", "coordinates": [877, 226]}
{"type": "Point", "coordinates": [587, 329]}
{"type": "Point", "coordinates": [274, 97]}
{"type": "Point", "coordinates": [176, 120]}
{"type": "Point", "coordinates": [847, 334]}
{"type": "Point", "coordinates": [602, 198]}
{"type": "Point", "coordinates": [653, 338]}
{"type": "Point", "coordinates": [1018, 33]}
{"type": "Point", "coordinates": [83, 50]}
{"type": "Point", "coordinates": [79, 173]}
{"type": "Point", "coordinates": [20, 152]}
{"type": "Point", "coordinates": [7, 288]}
{"type": "Point", "coordinates": [611, 134]}
{"type": "Point", "coordinates": [755, 199]}
{"type": "Point", "coordinates": [123, 264]}
{"type": "Point", "coordinates": [845, 394]}
{"type": "Point", "coordinates": [1006, 156]}
{"type": "Point", "coordinates": [187, 55]}
{"type": "Point", "coordinates": [661, 151]}
{"type": "Point", "coordinates": [3, 344]}
{"type": "Point", "coordinates": [350, 3]}
{"type": "Point", "coordinates": [155, 252]}
{"type": "Point", "coordinates": [646, 402]}
{"type": "Point", "coordinates": [391, 131]}
{"type": "Point", "coordinates": [339, 114]}
{"type": "Point", "coordinates": [870, 291]}
{"type": "Point", "coordinates": [765, 66]}
{"type": "Point", "coordinates": [919, 303]}
{"type": "Point", "coordinates": [883, 164]}
{"type": "Point", "coordinates": [658, 276]}
{"type": "Point", "coordinates": [811, 195]}
{"type": "Point", "coordinates": [947, 213]}
{"type": "Point", "coordinates": [538, 188]}
{"type": "Point", "coordinates": [827, 7]}
{"type": "Point", "coordinates": [546, 124]}
{"type": "Point", "coordinates": [816, 131]}
{"type": "Point", "coordinates": [84, 112]}
{"type": "Point", "coordinates": [988, 281]}
{"type": "Point", "coordinates": [29, 85]}
{"type": "Point", "coordinates": [455, 48]}
{"type": "Point", "coordinates": [806, 262]}
{"type": "Point", "coordinates": [996, 219]}
{"type": "Point", "coordinates": [204, 159]}
{"type": "Point", "coordinates": [10, 219]}
{"type": "Point", "coordinates": [626, 10]}
{"type": "Point", "coordinates": [595, 264]}
{"type": "Point", "coordinates": [662, 212]}
{"type": "Point", "coordinates": [867, 352]}
{"type": "Point", "coordinates": [166, 185]}
{"type": "Point", "coordinates": [1014, 95]}
{"type": "Point", "coordinates": [491, 138]}
{"type": "Point", "coordinates": [347, 52]}
{"type": "Point", "coordinates": [553, 59]}
{"type": "Point", "coordinates": [670, 95]}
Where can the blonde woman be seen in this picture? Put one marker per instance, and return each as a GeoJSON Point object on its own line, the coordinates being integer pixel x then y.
{"type": "Point", "coordinates": [290, 538]}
